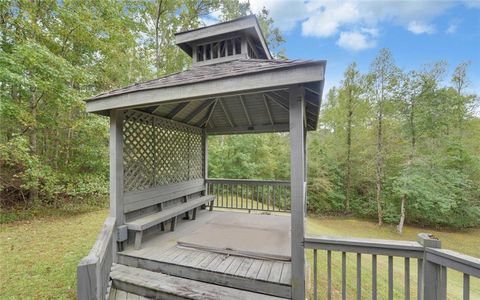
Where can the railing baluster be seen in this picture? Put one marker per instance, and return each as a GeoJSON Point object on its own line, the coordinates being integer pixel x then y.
{"type": "Point", "coordinates": [236, 195]}
{"type": "Point", "coordinates": [315, 291]}
{"type": "Point", "coordinates": [419, 279]}
{"type": "Point", "coordinates": [263, 197]}
{"type": "Point", "coordinates": [274, 196]}
{"type": "Point", "coordinates": [223, 192]}
{"type": "Point", "coordinates": [407, 278]}
{"type": "Point", "coordinates": [443, 282]}
{"type": "Point", "coordinates": [344, 275]}
{"type": "Point", "coordinates": [466, 286]}
{"type": "Point", "coordinates": [390, 277]}
{"type": "Point", "coordinates": [329, 275]}
{"type": "Point", "coordinates": [359, 276]}
{"type": "Point", "coordinates": [258, 191]}
{"type": "Point", "coordinates": [374, 277]}
{"type": "Point", "coordinates": [241, 195]}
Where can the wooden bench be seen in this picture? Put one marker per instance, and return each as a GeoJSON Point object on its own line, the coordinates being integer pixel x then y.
{"type": "Point", "coordinates": [143, 223]}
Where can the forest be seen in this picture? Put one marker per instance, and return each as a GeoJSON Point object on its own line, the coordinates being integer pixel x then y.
{"type": "Point", "coordinates": [397, 146]}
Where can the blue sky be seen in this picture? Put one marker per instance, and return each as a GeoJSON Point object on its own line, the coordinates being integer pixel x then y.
{"type": "Point", "coordinates": [417, 32]}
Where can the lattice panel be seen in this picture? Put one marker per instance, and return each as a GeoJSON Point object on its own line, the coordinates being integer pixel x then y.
{"type": "Point", "coordinates": [158, 151]}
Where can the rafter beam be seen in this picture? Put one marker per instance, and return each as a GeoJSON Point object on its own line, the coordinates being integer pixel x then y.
{"type": "Point", "coordinates": [265, 101]}
{"type": "Point", "coordinates": [226, 113]}
{"type": "Point", "coordinates": [204, 121]}
{"type": "Point", "coordinates": [245, 111]}
{"type": "Point", "coordinates": [198, 110]}
{"type": "Point", "coordinates": [278, 102]}
{"type": "Point", "coordinates": [312, 91]}
{"type": "Point", "coordinates": [177, 109]}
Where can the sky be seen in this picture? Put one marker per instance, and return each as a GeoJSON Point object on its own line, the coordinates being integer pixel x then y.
{"type": "Point", "coordinates": [417, 32]}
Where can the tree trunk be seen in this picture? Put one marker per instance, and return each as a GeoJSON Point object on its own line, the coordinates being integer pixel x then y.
{"type": "Point", "coordinates": [402, 214]}
{"type": "Point", "coordinates": [348, 179]}
{"type": "Point", "coordinates": [32, 136]}
{"type": "Point", "coordinates": [378, 170]}
{"type": "Point", "coordinates": [157, 29]}
{"type": "Point", "coordinates": [403, 206]}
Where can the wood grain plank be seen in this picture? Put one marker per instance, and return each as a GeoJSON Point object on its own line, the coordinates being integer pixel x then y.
{"type": "Point", "coordinates": [286, 277]}
{"type": "Point", "coordinates": [234, 265]}
{"type": "Point", "coordinates": [121, 295]}
{"type": "Point", "coordinates": [265, 270]}
{"type": "Point", "coordinates": [276, 272]}
{"type": "Point", "coordinates": [204, 263]}
{"type": "Point", "coordinates": [254, 269]}
{"type": "Point", "coordinates": [244, 267]}
{"type": "Point", "coordinates": [222, 267]}
{"type": "Point", "coordinates": [213, 265]}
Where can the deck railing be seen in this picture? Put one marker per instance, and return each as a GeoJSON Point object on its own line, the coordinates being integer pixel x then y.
{"type": "Point", "coordinates": [430, 277]}
{"type": "Point", "coordinates": [93, 271]}
{"type": "Point", "coordinates": [263, 195]}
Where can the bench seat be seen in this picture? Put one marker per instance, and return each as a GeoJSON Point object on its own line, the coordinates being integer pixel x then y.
{"type": "Point", "coordinates": [143, 223]}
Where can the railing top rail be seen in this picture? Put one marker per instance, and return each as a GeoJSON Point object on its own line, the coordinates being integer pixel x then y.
{"type": "Point", "coordinates": [248, 181]}
{"type": "Point", "coordinates": [368, 246]}
{"type": "Point", "coordinates": [101, 243]}
{"type": "Point", "coordinates": [457, 261]}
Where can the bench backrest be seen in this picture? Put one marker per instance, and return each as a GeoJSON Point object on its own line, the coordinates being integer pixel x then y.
{"type": "Point", "coordinates": [140, 199]}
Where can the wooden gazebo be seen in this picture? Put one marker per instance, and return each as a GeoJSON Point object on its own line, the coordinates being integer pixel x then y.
{"type": "Point", "coordinates": [158, 143]}
{"type": "Point", "coordinates": [161, 242]}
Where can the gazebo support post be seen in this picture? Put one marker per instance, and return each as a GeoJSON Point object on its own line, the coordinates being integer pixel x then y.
{"type": "Point", "coordinates": [116, 170]}
{"type": "Point", "coordinates": [297, 177]}
{"type": "Point", "coordinates": [205, 160]}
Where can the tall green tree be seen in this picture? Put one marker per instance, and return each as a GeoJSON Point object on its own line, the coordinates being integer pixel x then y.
{"type": "Point", "coordinates": [382, 83]}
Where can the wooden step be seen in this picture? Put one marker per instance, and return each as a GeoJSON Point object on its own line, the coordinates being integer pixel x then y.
{"type": "Point", "coordinates": [250, 275]}
{"type": "Point", "coordinates": [161, 286]}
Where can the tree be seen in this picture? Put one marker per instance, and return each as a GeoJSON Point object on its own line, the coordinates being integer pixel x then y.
{"type": "Point", "coordinates": [382, 83]}
{"type": "Point", "coordinates": [350, 92]}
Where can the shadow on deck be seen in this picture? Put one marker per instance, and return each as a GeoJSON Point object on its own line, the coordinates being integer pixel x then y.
{"type": "Point", "coordinates": [200, 272]}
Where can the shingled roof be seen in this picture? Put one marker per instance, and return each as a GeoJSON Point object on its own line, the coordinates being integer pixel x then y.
{"type": "Point", "coordinates": [208, 73]}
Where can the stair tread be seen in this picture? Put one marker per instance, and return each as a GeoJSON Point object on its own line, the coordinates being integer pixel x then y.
{"type": "Point", "coordinates": [187, 288]}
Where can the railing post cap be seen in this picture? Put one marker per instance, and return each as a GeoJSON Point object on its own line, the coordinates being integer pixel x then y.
{"type": "Point", "coordinates": [429, 240]}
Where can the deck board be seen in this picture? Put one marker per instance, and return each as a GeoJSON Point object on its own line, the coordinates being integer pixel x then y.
{"type": "Point", "coordinates": [234, 265]}
{"type": "Point", "coordinates": [157, 285]}
{"type": "Point", "coordinates": [286, 273]}
{"type": "Point", "coordinates": [254, 269]}
{"type": "Point", "coordinates": [222, 267]}
{"type": "Point", "coordinates": [265, 270]}
{"type": "Point", "coordinates": [213, 265]}
{"type": "Point", "coordinates": [276, 272]}
{"type": "Point", "coordinates": [244, 267]}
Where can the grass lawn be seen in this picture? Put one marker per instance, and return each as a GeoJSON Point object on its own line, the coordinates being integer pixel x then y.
{"type": "Point", "coordinates": [38, 258]}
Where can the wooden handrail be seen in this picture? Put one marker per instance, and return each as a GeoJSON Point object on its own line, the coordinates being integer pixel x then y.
{"type": "Point", "coordinates": [93, 271]}
{"type": "Point", "coordinates": [248, 181]}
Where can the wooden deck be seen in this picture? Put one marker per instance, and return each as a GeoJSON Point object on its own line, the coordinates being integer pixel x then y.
{"type": "Point", "coordinates": [160, 253]}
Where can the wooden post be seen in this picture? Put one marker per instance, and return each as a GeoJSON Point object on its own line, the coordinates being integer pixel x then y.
{"type": "Point", "coordinates": [432, 272]}
{"type": "Point", "coordinates": [116, 166]}
{"type": "Point", "coordinates": [116, 171]}
{"type": "Point", "coordinates": [297, 178]}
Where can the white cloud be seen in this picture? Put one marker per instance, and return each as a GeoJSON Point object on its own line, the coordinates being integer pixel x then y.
{"type": "Point", "coordinates": [325, 19]}
{"type": "Point", "coordinates": [286, 13]}
{"type": "Point", "coordinates": [420, 27]}
{"type": "Point", "coordinates": [452, 28]}
{"type": "Point", "coordinates": [354, 40]}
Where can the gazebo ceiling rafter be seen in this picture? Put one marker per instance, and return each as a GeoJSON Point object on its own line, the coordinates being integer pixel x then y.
{"type": "Point", "coordinates": [247, 115]}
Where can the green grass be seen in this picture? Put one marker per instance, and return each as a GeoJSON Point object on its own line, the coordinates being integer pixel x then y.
{"type": "Point", "coordinates": [38, 258]}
